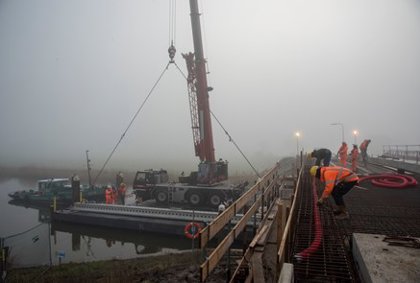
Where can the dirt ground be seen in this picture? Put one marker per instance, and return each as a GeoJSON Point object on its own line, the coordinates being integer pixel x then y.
{"type": "Point", "coordinates": [164, 268]}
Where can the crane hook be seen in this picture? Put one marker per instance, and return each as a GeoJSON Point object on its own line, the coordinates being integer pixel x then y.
{"type": "Point", "coordinates": [172, 51]}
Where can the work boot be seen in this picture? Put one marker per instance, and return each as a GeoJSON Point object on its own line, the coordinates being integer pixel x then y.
{"type": "Point", "coordinates": [341, 213]}
{"type": "Point", "coordinates": [342, 216]}
{"type": "Point", "coordinates": [337, 211]}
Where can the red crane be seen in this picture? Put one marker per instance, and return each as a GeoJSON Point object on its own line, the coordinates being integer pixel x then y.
{"type": "Point", "coordinates": [209, 171]}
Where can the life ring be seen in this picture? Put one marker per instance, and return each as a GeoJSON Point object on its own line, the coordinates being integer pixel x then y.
{"type": "Point", "coordinates": [191, 230]}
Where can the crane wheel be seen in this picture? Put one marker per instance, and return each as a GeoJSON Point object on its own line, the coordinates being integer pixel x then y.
{"type": "Point", "coordinates": [215, 200]}
{"type": "Point", "coordinates": [194, 198]}
{"type": "Point", "coordinates": [161, 197]}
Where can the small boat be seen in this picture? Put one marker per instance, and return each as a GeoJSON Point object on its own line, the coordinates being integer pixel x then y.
{"type": "Point", "coordinates": [61, 189]}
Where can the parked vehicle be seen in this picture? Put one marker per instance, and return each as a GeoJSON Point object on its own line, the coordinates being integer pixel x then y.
{"type": "Point", "coordinates": [60, 188]}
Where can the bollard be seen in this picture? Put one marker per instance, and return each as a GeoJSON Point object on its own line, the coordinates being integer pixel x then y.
{"type": "Point", "coordinates": [75, 185]}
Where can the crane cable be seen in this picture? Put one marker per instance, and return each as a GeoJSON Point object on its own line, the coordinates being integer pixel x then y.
{"type": "Point", "coordinates": [131, 122]}
{"type": "Point", "coordinates": [172, 22]}
{"type": "Point", "coordinates": [171, 51]}
{"type": "Point", "coordinates": [226, 132]}
{"type": "Point", "coordinates": [235, 144]}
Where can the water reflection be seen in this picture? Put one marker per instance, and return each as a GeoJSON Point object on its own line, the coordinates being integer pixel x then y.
{"type": "Point", "coordinates": [142, 242]}
{"type": "Point", "coordinates": [33, 240]}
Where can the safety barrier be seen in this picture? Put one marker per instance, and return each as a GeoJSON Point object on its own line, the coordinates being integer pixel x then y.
{"type": "Point", "coordinates": [402, 152]}
{"type": "Point", "coordinates": [260, 198]}
{"type": "Point", "coordinates": [286, 237]}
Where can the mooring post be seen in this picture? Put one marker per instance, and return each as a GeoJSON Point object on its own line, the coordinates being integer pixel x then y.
{"type": "Point", "coordinates": [75, 185]}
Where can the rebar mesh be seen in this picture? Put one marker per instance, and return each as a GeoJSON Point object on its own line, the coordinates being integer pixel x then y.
{"type": "Point", "coordinates": [331, 262]}
{"type": "Point", "coordinates": [391, 212]}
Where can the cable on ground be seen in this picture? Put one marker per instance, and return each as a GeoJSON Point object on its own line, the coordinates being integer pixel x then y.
{"type": "Point", "coordinates": [390, 180]}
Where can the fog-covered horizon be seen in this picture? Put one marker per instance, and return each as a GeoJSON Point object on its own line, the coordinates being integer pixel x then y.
{"type": "Point", "coordinates": [73, 74]}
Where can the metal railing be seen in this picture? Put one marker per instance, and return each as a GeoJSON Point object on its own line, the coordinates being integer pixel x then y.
{"type": "Point", "coordinates": [402, 152]}
{"type": "Point", "coordinates": [257, 199]}
{"type": "Point", "coordinates": [287, 231]}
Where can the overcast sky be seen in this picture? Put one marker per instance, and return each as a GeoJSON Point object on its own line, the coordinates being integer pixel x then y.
{"type": "Point", "coordinates": [73, 73]}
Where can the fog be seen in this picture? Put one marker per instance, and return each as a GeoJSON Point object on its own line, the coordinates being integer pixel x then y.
{"type": "Point", "coordinates": [73, 74]}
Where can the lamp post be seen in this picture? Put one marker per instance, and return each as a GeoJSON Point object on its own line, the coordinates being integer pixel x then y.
{"type": "Point", "coordinates": [342, 129]}
{"type": "Point", "coordinates": [355, 133]}
{"type": "Point", "coordinates": [297, 134]}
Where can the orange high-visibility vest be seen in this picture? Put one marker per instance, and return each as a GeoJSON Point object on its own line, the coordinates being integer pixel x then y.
{"type": "Point", "coordinates": [331, 176]}
{"type": "Point", "coordinates": [122, 190]}
{"type": "Point", "coordinates": [108, 196]}
{"type": "Point", "coordinates": [343, 150]}
{"type": "Point", "coordinates": [364, 145]}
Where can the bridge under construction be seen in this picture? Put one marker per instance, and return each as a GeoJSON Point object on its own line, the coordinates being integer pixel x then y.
{"type": "Point", "coordinates": [288, 238]}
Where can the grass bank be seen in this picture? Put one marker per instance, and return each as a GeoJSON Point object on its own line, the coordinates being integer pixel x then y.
{"type": "Point", "coordinates": [180, 267]}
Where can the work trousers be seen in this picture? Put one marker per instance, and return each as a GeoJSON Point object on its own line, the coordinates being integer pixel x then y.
{"type": "Point", "coordinates": [340, 190]}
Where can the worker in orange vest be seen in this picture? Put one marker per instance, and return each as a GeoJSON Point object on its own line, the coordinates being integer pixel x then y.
{"type": "Point", "coordinates": [108, 195]}
{"type": "Point", "coordinates": [114, 195]}
{"type": "Point", "coordinates": [342, 153]}
{"type": "Point", "coordinates": [363, 150]}
{"type": "Point", "coordinates": [354, 156]}
{"type": "Point", "coordinates": [121, 193]}
{"type": "Point", "coordinates": [338, 182]}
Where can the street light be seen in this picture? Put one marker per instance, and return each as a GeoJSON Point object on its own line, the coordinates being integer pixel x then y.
{"type": "Point", "coordinates": [355, 133]}
{"type": "Point", "coordinates": [342, 129]}
{"type": "Point", "coordinates": [297, 134]}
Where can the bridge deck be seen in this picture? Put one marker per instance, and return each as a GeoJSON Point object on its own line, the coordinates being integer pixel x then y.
{"type": "Point", "coordinates": [373, 210]}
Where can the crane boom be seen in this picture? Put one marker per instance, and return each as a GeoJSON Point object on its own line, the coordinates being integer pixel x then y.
{"type": "Point", "coordinates": [202, 112]}
{"type": "Point", "coordinates": [209, 170]}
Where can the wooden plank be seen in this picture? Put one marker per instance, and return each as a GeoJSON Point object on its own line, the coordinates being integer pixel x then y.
{"type": "Point", "coordinates": [214, 258]}
{"type": "Point", "coordinates": [259, 241]}
{"type": "Point", "coordinates": [257, 268]}
{"type": "Point", "coordinates": [217, 224]}
{"type": "Point", "coordinates": [287, 229]}
{"type": "Point", "coordinates": [257, 237]}
{"type": "Point", "coordinates": [268, 181]}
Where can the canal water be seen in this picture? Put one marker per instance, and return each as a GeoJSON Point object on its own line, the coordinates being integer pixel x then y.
{"type": "Point", "coordinates": [32, 240]}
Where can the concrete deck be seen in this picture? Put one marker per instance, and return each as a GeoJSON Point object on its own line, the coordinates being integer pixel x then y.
{"type": "Point", "coordinates": [378, 261]}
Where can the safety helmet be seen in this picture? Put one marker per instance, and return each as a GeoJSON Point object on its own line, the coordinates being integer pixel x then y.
{"type": "Point", "coordinates": [313, 169]}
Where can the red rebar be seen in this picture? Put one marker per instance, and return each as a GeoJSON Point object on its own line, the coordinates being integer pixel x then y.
{"type": "Point", "coordinates": [389, 180]}
{"type": "Point", "coordinates": [316, 243]}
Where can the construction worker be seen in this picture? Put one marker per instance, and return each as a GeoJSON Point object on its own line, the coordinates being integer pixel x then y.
{"type": "Point", "coordinates": [342, 154]}
{"type": "Point", "coordinates": [121, 193]}
{"type": "Point", "coordinates": [363, 150]}
{"type": "Point", "coordinates": [338, 182]}
{"type": "Point", "coordinates": [354, 156]}
{"type": "Point", "coordinates": [221, 208]}
{"type": "Point", "coordinates": [108, 195]}
{"type": "Point", "coordinates": [323, 154]}
{"type": "Point", "coordinates": [114, 195]}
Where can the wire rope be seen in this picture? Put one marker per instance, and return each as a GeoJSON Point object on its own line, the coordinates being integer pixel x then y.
{"type": "Point", "coordinates": [235, 144]}
{"type": "Point", "coordinates": [21, 233]}
{"type": "Point", "coordinates": [226, 132]}
{"type": "Point", "coordinates": [172, 22]}
{"type": "Point", "coordinates": [131, 122]}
